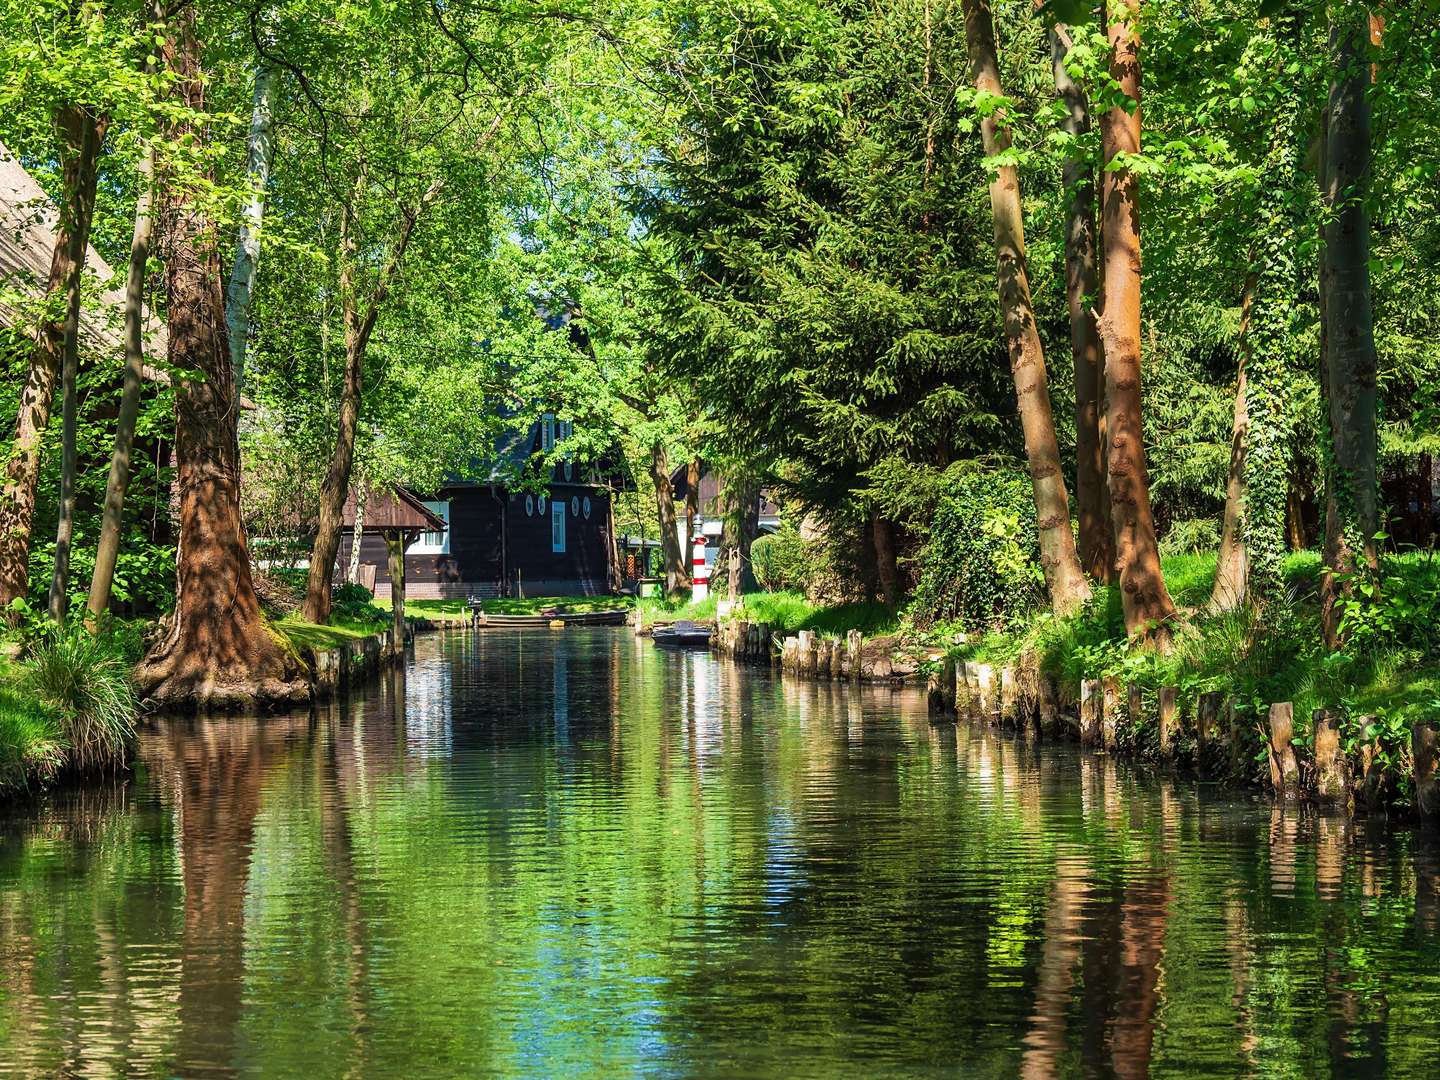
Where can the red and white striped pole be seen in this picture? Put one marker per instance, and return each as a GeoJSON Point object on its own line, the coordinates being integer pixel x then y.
{"type": "Point", "coordinates": [699, 572]}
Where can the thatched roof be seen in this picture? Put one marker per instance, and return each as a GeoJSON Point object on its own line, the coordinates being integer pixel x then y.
{"type": "Point", "coordinates": [27, 242]}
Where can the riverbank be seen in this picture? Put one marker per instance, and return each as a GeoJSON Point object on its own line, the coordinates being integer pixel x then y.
{"type": "Point", "coordinates": [784, 612]}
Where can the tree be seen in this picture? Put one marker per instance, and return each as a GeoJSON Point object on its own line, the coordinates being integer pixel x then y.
{"type": "Point", "coordinates": [216, 651]}
{"type": "Point", "coordinates": [81, 131]}
{"type": "Point", "coordinates": [1092, 499]}
{"type": "Point", "coordinates": [1350, 360]}
{"type": "Point", "coordinates": [1063, 575]}
{"type": "Point", "coordinates": [1146, 601]}
{"type": "Point", "coordinates": [107, 550]}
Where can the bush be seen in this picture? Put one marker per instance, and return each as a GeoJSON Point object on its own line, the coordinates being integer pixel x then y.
{"type": "Point", "coordinates": [355, 603]}
{"type": "Point", "coordinates": [980, 566]}
{"type": "Point", "coordinates": [85, 680]}
{"type": "Point", "coordinates": [784, 560]}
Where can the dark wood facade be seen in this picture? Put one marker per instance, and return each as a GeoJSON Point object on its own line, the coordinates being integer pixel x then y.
{"type": "Point", "coordinates": [497, 548]}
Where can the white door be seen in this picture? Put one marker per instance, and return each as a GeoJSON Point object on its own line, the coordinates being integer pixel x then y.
{"type": "Point", "coordinates": [557, 526]}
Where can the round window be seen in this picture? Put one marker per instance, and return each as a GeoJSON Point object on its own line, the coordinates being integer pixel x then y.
{"type": "Point", "coordinates": [587, 506]}
{"type": "Point", "coordinates": [569, 470]}
{"type": "Point", "coordinates": [574, 506]}
{"type": "Point", "coordinates": [529, 505]}
{"type": "Point", "coordinates": [541, 504]}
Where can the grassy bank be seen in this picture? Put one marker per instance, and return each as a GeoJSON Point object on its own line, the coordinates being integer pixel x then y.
{"type": "Point", "coordinates": [786, 612]}
{"type": "Point", "coordinates": [67, 707]}
{"type": "Point", "coordinates": [1388, 671]}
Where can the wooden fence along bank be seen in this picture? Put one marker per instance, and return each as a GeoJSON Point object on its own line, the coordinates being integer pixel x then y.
{"type": "Point", "coordinates": [1208, 732]}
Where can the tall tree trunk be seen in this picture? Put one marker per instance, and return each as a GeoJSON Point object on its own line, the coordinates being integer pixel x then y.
{"type": "Point", "coordinates": [1147, 604]}
{"type": "Point", "coordinates": [80, 144]}
{"type": "Point", "coordinates": [692, 508]}
{"type": "Point", "coordinates": [669, 528]}
{"type": "Point", "coordinates": [1092, 499]}
{"type": "Point", "coordinates": [1349, 331]}
{"type": "Point", "coordinates": [1231, 568]}
{"type": "Point", "coordinates": [1063, 574]}
{"type": "Point", "coordinates": [352, 573]}
{"type": "Point", "coordinates": [887, 566]}
{"type": "Point", "coordinates": [359, 325]}
{"type": "Point", "coordinates": [112, 518]}
{"type": "Point", "coordinates": [218, 653]}
{"type": "Point", "coordinates": [91, 139]}
{"type": "Point", "coordinates": [395, 545]}
{"type": "Point", "coordinates": [247, 248]}
{"type": "Point", "coordinates": [337, 477]}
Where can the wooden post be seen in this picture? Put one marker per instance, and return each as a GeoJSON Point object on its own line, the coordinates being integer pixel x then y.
{"type": "Point", "coordinates": [1427, 786]}
{"type": "Point", "coordinates": [395, 548]}
{"type": "Point", "coordinates": [985, 690]}
{"type": "Point", "coordinates": [1233, 735]}
{"type": "Point", "coordinates": [1049, 706]}
{"type": "Point", "coordinates": [1332, 774]}
{"type": "Point", "coordinates": [1205, 718]}
{"type": "Point", "coordinates": [1110, 715]}
{"type": "Point", "coordinates": [949, 681]}
{"type": "Point", "coordinates": [1134, 705]}
{"type": "Point", "coordinates": [1090, 702]}
{"type": "Point", "coordinates": [1008, 712]}
{"type": "Point", "coordinates": [1168, 711]}
{"type": "Point", "coordinates": [1284, 771]}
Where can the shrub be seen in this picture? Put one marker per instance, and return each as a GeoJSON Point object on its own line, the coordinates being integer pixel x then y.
{"type": "Point", "coordinates": [85, 680]}
{"type": "Point", "coordinates": [784, 560]}
{"type": "Point", "coordinates": [980, 566]}
{"type": "Point", "coordinates": [355, 603]}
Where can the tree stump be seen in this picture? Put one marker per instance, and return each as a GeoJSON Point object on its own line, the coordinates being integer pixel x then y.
{"type": "Point", "coordinates": [1090, 705]}
{"type": "Point", "coordinates": [1427, 786]}
{"type": "Point", "coordinates": [1332, 774]}
{"type": "Point", "coordinates": [1284, 771]}
{"type": "Point", "coordinates": [1169, 713]}
{"type": "Point", "coordinates": [1110, 715]}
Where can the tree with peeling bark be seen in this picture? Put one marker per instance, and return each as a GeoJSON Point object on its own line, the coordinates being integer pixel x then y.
{"type": "Point", "coordinates": [216, 651]}
{"type": "Point", "coordinates": [1063, 574]}
{"type": "Point", "coordinates": [1144, 597]}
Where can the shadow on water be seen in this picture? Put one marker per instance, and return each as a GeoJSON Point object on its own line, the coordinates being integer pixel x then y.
{"type": "Point", "coordinates": [559, 854]}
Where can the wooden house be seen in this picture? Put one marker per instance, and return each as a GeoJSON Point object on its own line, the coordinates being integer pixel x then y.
{"type": "Point", "coordinates": [502, 538]}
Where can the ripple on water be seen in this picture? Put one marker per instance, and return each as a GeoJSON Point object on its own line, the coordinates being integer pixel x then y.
{"type": "Point", "coordinates": [544, 854]}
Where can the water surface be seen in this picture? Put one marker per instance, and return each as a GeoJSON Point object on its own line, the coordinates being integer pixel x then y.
{"type": "Point", "coordinates": [570, 854]}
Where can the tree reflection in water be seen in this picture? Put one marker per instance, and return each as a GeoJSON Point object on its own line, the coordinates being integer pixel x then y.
{"type": "Point", "coordinates": [569, 853]}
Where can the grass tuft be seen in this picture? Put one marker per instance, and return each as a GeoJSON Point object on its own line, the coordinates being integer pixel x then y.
{"type": "Point", "coordinates": [86, 684]}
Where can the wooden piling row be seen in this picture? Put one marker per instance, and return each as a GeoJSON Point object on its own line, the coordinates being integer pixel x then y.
{"type": "Point", "coordinates": [1208, 730]}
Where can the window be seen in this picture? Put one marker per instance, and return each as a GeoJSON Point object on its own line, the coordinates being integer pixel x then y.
{"type": "Point", "coordinates": [435, 543]}
{"type": "Point", "coordinates": [557, 527]}
{"type": "Point", "coordinates": [529, 505]}
{"type": "Point", "coordinates": [587, 506]}
{"type": "Point", "coordinates": [575, 505]}
{"type": "Point", "coordinates": [547, 432]}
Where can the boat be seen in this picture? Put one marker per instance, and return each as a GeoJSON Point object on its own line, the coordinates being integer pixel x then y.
{"type": "Point", "coordinates": [682, 635]}
{"type": "Point", "coordinates": [610, 617]}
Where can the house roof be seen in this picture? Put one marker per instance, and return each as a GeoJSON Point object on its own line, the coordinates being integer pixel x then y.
{"type": "Point", "coordinates": [393, 510]}
{"type": "Point", "coordinates": [28, 219]}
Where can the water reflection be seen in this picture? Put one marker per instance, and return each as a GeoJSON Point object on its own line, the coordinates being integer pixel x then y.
{"type": "Point", "coordinates": [569, 853]}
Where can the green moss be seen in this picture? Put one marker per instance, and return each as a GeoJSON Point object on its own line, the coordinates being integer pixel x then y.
{"type": "Point", "coordinates": [304, 635]}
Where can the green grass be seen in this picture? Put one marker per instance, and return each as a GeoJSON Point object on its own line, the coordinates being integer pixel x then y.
{"type": "Point", "coordinates": [1253, 662]}
{"type": "Point", "coordinates": [303, 634]}
{"type": "Point", "coordinates": [786, 612]}
{"type": "Point", "coordinates": [31, 750]}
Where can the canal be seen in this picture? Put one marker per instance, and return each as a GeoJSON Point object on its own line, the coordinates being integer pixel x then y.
{"type": "Point", "coordinates": [571, 854]}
